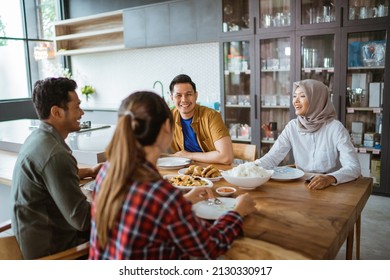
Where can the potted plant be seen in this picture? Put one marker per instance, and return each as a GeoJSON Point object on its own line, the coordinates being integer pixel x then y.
{"type": "Point", "coordinates": [87, 91]}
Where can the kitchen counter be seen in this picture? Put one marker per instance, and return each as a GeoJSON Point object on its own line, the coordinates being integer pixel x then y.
{"type": "Point", "coordinates": [87, 146]}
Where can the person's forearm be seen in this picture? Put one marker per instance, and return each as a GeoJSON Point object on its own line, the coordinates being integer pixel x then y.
{"type": "Point", "coordinates": [211, 157]}
{"type": "Point", "coordinates": [85, 172]}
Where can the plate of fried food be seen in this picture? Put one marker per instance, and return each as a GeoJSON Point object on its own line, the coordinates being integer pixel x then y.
{"type": "Point", "coordinates": [209, 172]}
{"type": "Point", "coordinates": [187, 182]}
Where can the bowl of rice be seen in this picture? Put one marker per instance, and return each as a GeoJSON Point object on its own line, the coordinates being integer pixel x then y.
{"type": "Point", "coordinates": [247, 176]}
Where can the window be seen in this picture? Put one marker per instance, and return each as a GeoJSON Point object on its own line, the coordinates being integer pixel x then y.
{"type": "Point", "coordinates": [26, 46]}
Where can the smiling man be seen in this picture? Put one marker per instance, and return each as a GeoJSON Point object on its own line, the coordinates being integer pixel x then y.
{"type": "Point", "coordinates": [49, 211]}
{"type": "Point", "coordinates": [199, 132]}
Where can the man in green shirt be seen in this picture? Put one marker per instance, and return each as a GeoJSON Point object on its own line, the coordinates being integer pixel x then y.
{"type": "Point", "coordinates": [49, 211]}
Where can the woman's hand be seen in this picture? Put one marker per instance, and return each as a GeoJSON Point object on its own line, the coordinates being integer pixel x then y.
{"type": "Point", "coordinates": [320, 182]}
{"type": "Point", "coordinates": [198, 194]}
{"type": "Point", "coordinates": [245, 205]}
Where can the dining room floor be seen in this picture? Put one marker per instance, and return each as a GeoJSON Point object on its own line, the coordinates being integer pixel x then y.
{"type": "Point", "coordinates": [375, 231]}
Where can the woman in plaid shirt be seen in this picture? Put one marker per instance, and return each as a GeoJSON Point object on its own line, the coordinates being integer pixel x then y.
{"type": "Point", "coordinates": [136, 214]}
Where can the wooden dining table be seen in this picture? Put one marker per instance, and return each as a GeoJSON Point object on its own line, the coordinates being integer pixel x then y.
{"type": "Point", "coordinates": [291, 221]}
{"type": "Point", "coordinates": [295, 222]}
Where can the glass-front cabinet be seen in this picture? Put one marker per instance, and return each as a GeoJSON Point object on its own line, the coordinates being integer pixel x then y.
{"type": "Point", "coordinates": [236, 17]}
{"type": "Point", "coordinates": [237, 97]}
{"type": "Point", "coordinates": [367, 9]}
{"type": "Point", "coordinates": [275, 87]}
{"type": "Point", "coordinates": [269, 44]}
{"type": "Point", "coordinates": [364, 96]}
{"type": "Point", "coordinates": [318, 55]}
{"type": "Point", "coordinates": [275, 14]}
{"type": "Point", "coordinates": [318, 11]}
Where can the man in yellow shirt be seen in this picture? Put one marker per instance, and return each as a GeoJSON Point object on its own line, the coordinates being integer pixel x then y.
{"type": "Point", "coordinates": [199, 132]}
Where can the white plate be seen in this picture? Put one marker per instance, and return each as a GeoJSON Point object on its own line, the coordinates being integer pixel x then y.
{"type": "Point", "coordinates": [90, 186]}
{"type": "Point", "coordinates": [285, 173]}
{"type": "Point", "coordinates": [209, 184]}
{"type": "Point", "coordinates": [172, 162]}
{"type": "Point", "coordinates": [183, 171]}
{"type": "Point", "coordinates": [213, 212]}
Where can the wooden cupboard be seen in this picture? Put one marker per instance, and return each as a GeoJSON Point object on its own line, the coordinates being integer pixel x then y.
{"type": "Point", "coordinates": [341, 43]}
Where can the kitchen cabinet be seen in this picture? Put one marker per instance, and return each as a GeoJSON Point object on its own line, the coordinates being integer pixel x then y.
{"type": "Point", "coordinates": [365, 98]}
{"type": "Point", "coordinates": [275, 72]}
{"type": "Point", "coordinates": [171, 23]}
{"type": "Point", "coordinates": [240, 103]}
{"type": "Point", "coordinates": [163, 24]}
{"type": "Point", "coordinates": [97, 33]}
{"type": "Point", "coordinates": [269, 59]}
{"type": "Point", "coordinates": [341, 43]}
{"type": "Point", "coordinates": [100, 116]}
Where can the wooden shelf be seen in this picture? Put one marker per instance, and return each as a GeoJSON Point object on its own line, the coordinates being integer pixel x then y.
{"type": "Point", "coordinates": [351, 110]}
{"type": "Point", "coordinates": [275, 70]}
{"type": "Point", "coordinates": [97, 33]}
{"type": "Point", "coordinates": [237, 106]}
{"type": "Point", "coordinates": [274, 107]}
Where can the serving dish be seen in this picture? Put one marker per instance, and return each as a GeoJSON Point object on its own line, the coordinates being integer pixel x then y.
{"type": "Point", "coordinates": [183, 172]}
{"type": "Point", "coordinates": [176, 181]}
{"type": "Point", "coordinates": [247, 183]}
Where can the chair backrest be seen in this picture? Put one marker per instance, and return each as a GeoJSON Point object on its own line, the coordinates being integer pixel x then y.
{"type": "Point", "coordinates": [9, 247]}
{"type": "Point", "coordinates": [10, 250]}
{"type": "Point", "coordinates": [246, 152]}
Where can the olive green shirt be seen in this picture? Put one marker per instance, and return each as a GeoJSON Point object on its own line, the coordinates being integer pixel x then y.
{"type": "Point", "coordinates": [48, 208]}
{"type": "Point", "coordinates": [207, 124]}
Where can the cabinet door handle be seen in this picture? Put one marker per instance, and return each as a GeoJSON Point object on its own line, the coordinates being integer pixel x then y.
{"type": "Point", "coordinates": [255, 106]}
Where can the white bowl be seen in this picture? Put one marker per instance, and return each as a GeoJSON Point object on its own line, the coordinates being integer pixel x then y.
{"type": "Point", "coordinates": [247, 183]}
{"type": "Point", "coordinates": [225, 191]}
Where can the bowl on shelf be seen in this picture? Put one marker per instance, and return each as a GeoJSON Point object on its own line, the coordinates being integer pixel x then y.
{"type": "Point", "coordinates": [247, 183]}
{"type": "Point", "coordinates": [225, 191]}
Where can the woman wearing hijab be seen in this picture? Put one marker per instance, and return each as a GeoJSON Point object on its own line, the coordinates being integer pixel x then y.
{"type": "Point", "coordinates": [320, 143]}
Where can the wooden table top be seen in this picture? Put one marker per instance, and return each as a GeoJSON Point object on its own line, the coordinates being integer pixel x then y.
{"type": "Point", "coordinates": [291, 222]}
{"type": "Point", "coordinates": [294, 222]}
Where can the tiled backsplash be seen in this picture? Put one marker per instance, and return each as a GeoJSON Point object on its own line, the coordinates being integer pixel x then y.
{"type": "Point", "coordinates": [116, 74]}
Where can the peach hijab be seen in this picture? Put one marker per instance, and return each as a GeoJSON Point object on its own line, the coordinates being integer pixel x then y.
{"type": "Point", "coordinates": [321, 109]}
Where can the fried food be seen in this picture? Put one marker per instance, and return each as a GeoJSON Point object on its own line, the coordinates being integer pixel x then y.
{"type": "Point", "coordinates": [190, 169]}
{"type": "Point", "coordinates": [207, 172]}
{"type": "Point", "coordinates": [198, 171]}
{"type": "Point", "coordinates": [212, 173]}
{"type": "Point", "coordinates": [186, 181]}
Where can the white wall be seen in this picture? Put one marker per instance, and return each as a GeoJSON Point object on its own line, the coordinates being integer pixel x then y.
{"type": "Point", "coordinates": [116, 74]}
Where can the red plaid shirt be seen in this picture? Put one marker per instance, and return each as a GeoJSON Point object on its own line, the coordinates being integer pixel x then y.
{"type": "Point", "coordinates": [156, 222]}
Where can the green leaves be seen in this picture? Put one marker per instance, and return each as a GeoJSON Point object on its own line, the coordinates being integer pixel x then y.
{"type": "Point", "coordinates": [87, 90]}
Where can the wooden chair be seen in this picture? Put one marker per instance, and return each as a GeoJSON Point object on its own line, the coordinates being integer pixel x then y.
{"type": "Point", "coordinates": [9, 248]}
{"type": "Point", "coordinates": [246, 152]}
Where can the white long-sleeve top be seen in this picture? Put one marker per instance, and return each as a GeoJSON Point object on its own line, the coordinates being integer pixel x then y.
{"type": "Point", "coordinates": [329, 151]}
